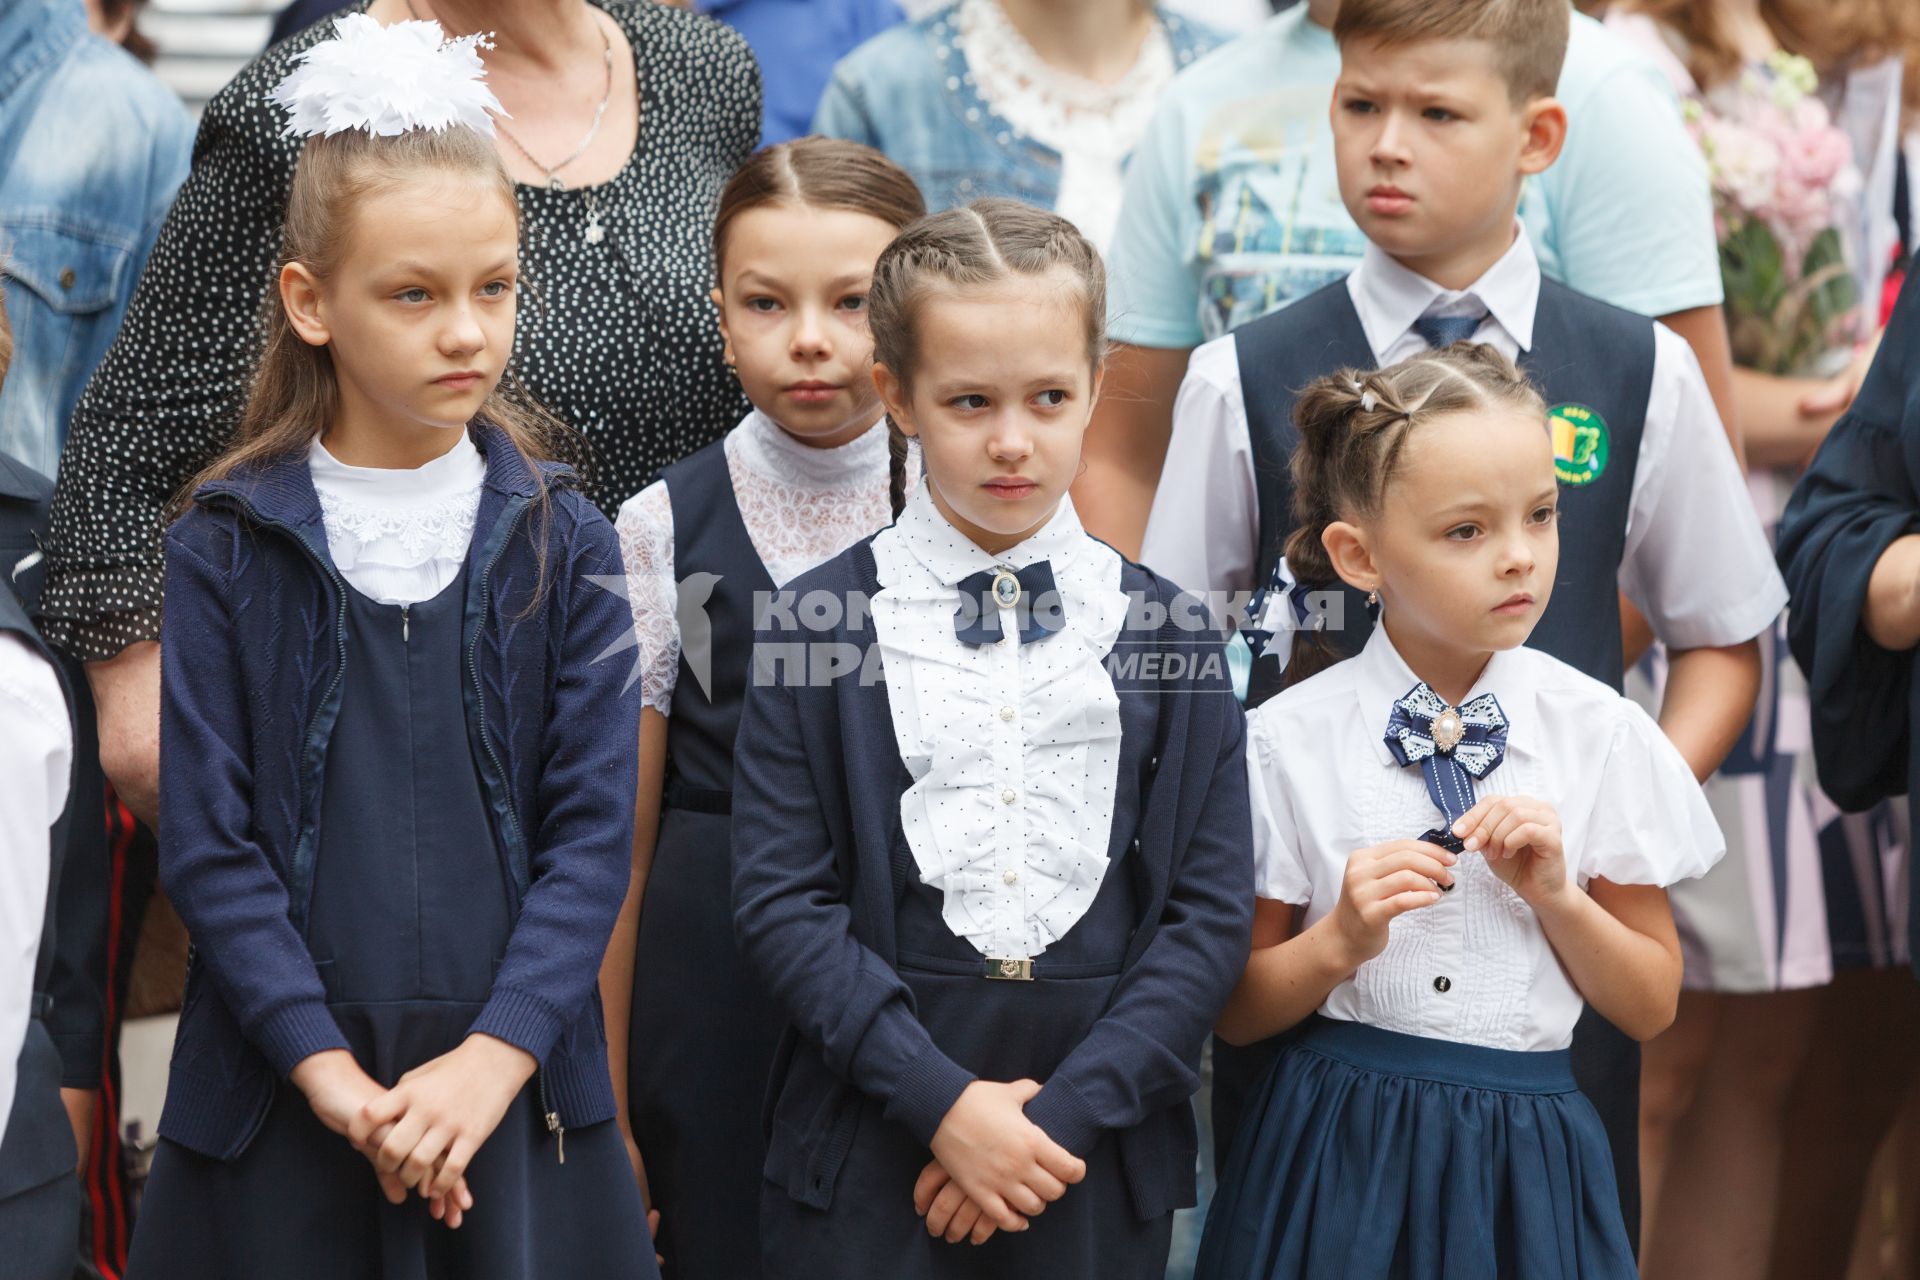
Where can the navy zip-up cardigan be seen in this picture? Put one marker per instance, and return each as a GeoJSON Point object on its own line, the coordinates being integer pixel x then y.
{"type": "Point", "coordinates": [816, 823]}
{"type": "Point", "coordinates": [251, 669]}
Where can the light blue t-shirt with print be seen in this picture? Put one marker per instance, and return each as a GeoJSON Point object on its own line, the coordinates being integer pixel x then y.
{"type": "Point", "coordinates": [1233, 203]}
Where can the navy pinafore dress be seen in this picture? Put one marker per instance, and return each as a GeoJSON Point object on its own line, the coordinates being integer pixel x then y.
{"type": "Point", "coordinates": [702, 1032]}
{"type": "Point", "coordinates": [999, 1031]}
{"type": "Point", "coordinates": [411, 912]}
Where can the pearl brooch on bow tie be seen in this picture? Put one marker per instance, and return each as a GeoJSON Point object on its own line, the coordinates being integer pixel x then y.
{"type": "Point", "coordinates": [1448, 729]}
{"type": "Point", "coordinates": [1454, 747]}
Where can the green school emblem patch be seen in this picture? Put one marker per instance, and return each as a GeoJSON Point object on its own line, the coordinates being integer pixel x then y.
{"type": "Point", "coordinates": [1580, 444]}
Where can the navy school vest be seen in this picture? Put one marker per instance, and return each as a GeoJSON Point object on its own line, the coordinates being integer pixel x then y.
{"type": "Point", "coordinates": [717, 574]}
{"type": "Point", "coordinates": [1593, 363]}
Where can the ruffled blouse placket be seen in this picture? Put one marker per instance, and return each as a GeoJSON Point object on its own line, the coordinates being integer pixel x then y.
{"type": "Point", "coordinates": [1014, 748]}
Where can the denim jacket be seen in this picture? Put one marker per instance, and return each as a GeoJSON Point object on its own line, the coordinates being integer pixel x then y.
{"type": "Point", "coordinates": [92, 148]}
{"type": "Point", "coordinates": [909, 93]}
{"type": "Point", "coordinates": [250, 688]}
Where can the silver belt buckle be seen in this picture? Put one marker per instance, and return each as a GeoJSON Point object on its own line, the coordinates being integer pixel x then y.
{"type": "Point", "coordinates": [1009, 970]}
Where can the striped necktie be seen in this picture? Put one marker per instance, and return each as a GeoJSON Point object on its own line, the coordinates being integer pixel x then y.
{"type": "Point", "coordinates": [1440, 332]}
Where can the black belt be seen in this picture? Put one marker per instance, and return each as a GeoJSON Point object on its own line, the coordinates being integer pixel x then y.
{"type": "Point", "coordinates": [678, 795]}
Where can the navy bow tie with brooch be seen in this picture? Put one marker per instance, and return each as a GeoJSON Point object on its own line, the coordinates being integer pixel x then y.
{"type": "Point", "coordinates": [1030, 593]}
{"type": "Point", "coordinates": [1454, 747]}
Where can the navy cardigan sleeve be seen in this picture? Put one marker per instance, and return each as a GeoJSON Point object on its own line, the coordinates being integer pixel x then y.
{"type": "Point", "coordinates": [1143, 1055]}
{"type": "Point", "coordinates": [1856, 498]}
{"type": "Point", "coordinates": [582, 838]}
{"type": "Point", "coordinates": [214, 871]}
{"type": "Point", "coordinates": [796, 928]}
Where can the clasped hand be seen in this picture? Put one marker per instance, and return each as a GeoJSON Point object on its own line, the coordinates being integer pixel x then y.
{"type": "Point", "coordinates": [993, 1168]}
{"type": "Point", "coordinates": [421, 1134]}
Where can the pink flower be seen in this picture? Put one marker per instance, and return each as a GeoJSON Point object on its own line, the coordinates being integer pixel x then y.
{"type": "Point", "coordinates": [1810, 114]}
{"type": "Point", "coordinates": [1744, 163]}
{"type": "Point", "coordinates": [1800, 213]}
{"type": "Point", "coordinates": [1815, 153]}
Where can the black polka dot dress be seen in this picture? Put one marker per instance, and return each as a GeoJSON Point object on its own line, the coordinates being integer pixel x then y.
{"type": "Point", "coordinates": [616, 336]}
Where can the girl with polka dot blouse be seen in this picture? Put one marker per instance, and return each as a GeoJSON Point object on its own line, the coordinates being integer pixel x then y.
{"type": "Point", "coordinates": [800, 479]}
{"type": "Point", "coordinates": [990, 826]}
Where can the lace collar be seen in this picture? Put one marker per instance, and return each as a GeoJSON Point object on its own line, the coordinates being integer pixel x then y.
{"type": "Point", "coordinates": [767, 451]}
{"type": "Point", "coordinates": [1062, 110]}
{"type": "Point", "coordinates": [382, 522]}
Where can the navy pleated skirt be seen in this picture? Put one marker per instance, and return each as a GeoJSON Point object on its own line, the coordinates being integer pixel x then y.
{"type": "Point", "coordinates": [1368, 1154]}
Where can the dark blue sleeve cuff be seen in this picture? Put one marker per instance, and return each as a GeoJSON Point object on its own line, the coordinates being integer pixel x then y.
{"type": "Point", "coordinates": [1064, 1115]}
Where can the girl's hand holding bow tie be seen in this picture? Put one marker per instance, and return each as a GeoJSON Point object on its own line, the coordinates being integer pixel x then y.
{"type": "Point", "coordinates": [1521, 840]}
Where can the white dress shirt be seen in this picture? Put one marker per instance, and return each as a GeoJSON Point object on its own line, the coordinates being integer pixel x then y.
{"type": "Point", "coordinates": [1475, 967]}
{"type": "Point", "coordinates": [1695, 561]}
{"type": "Point", "coordinates": [400, 536]}
{"type": "Point", "coordinates": [36, 753]}
{"type": "Point", "coordinates": [1014, 749]}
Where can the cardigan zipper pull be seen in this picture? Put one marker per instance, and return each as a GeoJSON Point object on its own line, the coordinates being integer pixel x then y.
{"type": "Point", "coordinates": [554, 1126]}
{"type": "Point", "coordinates": [406, 623]}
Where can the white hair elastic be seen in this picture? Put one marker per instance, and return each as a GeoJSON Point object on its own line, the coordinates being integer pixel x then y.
{"type": "Point", "coordinates": [388, 80]}
{"type": "Point", "coordinates": [1367, 402]}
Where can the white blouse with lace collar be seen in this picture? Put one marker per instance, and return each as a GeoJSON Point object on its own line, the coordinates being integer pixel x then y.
{"type": "Point", "coordinates": [1014, 749]}
{"type": "Point", "coordinates": [399, 536]}
{"type": "Point", "coordinates": [801, 505]}
{"type": "Point", "coordinates": [1093, 126]}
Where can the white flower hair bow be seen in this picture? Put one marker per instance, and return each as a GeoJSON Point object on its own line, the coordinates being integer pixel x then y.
{"type": "Point", "coordinates": [387, 81]}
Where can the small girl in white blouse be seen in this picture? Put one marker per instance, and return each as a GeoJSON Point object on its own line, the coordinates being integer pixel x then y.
{"type": "Point", "coordinates": [1457, 841]}
{"type": "Point", "coordinates": [804, 476]}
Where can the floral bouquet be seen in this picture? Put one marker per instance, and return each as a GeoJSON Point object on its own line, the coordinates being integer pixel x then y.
{"type": "Point", "coordinates": [1784, 181]}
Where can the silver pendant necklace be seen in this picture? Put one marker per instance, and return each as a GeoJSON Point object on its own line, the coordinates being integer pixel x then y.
{"type": "Point", "coordinates": [596, 231]}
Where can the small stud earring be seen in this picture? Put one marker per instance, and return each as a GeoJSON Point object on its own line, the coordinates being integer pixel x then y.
{"type": "Point", "coordinates": [1373, 599]}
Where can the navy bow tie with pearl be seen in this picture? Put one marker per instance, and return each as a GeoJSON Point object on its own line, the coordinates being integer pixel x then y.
{"type": "Point", "coordinates": [1030, 593]}
{"type": "Point", "coordinates": [1454, 746]}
